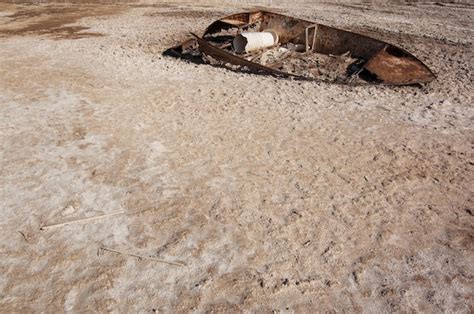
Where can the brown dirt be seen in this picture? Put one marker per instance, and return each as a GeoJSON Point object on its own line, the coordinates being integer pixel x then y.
{"type": "Point", "coordinates": [50, 20]}
{"type": "Point", "coordinates": [280, 196]}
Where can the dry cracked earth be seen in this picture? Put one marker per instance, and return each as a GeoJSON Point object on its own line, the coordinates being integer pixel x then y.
{"type": "Point", "coordinates": [276, 195]}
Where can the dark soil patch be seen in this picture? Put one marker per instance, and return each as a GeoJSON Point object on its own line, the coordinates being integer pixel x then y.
{"type": "Point", "coordinates": [53, 20]}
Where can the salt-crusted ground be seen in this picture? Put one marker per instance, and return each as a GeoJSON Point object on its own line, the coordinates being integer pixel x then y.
{"type": "Point", "coordinates": [278, 195]}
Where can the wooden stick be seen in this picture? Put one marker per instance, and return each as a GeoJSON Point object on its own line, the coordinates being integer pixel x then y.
{"type": "Point", "coordinates": [142, 257]}
{"type": "Point", "coordinates": [225, 46]}
{"type": "Point", "coordinates": [80, 221]}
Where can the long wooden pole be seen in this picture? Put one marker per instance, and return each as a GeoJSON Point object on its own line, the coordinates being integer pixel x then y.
{"type": "Point", "coordinates": [80, 221]}
{"type": "Point", "coordinates": [142, 257]}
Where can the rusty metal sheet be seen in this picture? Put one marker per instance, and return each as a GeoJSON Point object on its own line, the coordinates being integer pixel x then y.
{"type": "Point", "coordinates": [330, 40]}
{"type": "Point", "coordinates": [286, 27]}
{"type": "Point", "coordinates": [396, 66]}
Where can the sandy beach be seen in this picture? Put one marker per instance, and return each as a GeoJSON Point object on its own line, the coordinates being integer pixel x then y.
{"type": "Point", "coordinates": [269, 195]}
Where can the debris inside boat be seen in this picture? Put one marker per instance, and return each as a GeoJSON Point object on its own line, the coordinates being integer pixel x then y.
{"type": "Point", "coordinates": [271, 43]}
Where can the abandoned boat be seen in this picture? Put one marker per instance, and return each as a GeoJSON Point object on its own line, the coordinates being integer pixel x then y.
{"type": "Point", "coordinates": [280, 45]}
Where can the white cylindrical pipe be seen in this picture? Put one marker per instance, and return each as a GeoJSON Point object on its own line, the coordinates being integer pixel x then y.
{"type": "Point", "coordinates": [251, 41]}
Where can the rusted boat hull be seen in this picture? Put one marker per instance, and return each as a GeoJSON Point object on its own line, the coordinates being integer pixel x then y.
{"type": "Point", "coordinates": [382, 62]}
